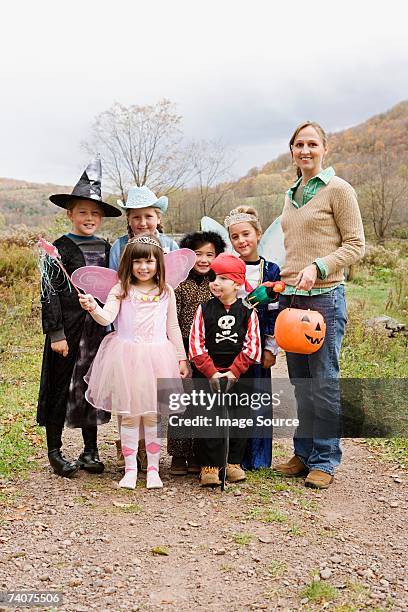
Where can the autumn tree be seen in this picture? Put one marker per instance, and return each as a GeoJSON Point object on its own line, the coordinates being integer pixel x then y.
{"type": "Point", "coordinates": [384, 190]}
{"type": "Point", "coordinates": [141, 145]}
{"type": "Point", "coordinates": [211, 164]}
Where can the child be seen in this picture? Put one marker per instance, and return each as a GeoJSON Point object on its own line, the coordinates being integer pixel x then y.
{"type": "Point", "coordinates": [235, 356]}
{"type": "Point", "coordinates": [245, 232]}
{"type": "Point", "coordinates": [146, 345]}
{"type": "Point", "coordinates": [193, 291]}
{"type": "Point", "coordinates": [72, 337]}
{"type": "Point", "coordinates": [143, 213]}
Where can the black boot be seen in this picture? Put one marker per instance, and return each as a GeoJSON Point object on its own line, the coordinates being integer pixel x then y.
{"type": "Point", "coordinates": [89, 459]}
{"type": "Point", "coordinates": [59, 464]}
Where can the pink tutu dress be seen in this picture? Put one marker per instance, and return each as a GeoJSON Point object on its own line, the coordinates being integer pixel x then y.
{"type": "Point", "coordinates": [145, 346]}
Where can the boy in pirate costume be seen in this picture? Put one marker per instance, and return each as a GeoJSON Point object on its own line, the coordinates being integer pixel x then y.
{"type": "Point", "coordinates": [72, 336]}
{"type": "Point", "coordinates": [224, 342]}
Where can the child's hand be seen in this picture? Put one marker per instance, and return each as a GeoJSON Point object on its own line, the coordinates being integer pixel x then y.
{"type": "Point", "coordinates": [60, 347]}
{"type": "Point", "coordinates": [87, 302]}
{"type": "Point", "coordinates": [184, 369]}
{"type": "Point", "coordinates": [215, 382]}
{"type": "Point", "coordinates": [268, 359]}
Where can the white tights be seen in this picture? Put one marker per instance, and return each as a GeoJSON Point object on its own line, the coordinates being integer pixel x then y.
{"type": "Point", "coordinates": [129, 436]}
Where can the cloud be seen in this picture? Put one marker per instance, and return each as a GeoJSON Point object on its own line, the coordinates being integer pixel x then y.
{"type": "Point", "coordinates": [243, 72]}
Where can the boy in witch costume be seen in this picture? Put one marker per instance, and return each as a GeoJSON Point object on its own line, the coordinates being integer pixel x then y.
{"type": "Point", "coordinates": [72, 336]}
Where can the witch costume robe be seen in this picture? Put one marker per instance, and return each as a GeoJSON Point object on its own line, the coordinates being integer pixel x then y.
{"type": "Point", "coordinates": [62, 386]}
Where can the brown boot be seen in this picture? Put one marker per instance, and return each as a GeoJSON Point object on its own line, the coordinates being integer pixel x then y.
{"type": "Point", "coordinates": [293, 467]}
{"type": "Point", "coordinates": [318, 479]}
{"type": "Point", "coordinates": [142, 456]}
{"type": "Point", "coordinates": [235, 473]}
{"type": "Point", "coordinates": [120, 461]}
{"type": "Point", "coordinates": [209, 477]}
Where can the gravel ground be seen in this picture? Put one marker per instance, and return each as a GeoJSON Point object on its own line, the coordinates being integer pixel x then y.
{"type": "Point", "coordinates": [257, 546]}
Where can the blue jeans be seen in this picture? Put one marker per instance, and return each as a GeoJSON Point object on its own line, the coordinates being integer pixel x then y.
{"type": "Point", "coordinates": [317, 388]}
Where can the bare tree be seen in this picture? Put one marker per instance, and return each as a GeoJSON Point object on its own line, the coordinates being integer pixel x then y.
{"type": "Point", "coordinates": [211, 165]}
{"type": "Point", "coordinates": [141, 145]}
{"type": "Point", "coordinates": [384, 190]}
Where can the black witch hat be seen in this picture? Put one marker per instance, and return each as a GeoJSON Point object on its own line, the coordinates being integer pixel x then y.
{"type": "Point", "coordinates": [87, 188]}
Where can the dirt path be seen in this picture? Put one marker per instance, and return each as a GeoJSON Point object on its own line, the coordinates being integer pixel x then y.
{"type": "Point", "coordinates": [257, 546]}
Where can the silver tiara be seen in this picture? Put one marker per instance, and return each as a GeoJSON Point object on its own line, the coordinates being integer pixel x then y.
{"type": "Point", "coordinates": [238, 218]}
{"type": "Point", "coordinates": [145, 240]}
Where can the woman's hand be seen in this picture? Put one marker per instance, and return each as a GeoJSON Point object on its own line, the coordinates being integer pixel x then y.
{"type": "Point", "coordinates": [268, 359]}
{"type": "Point", "coordinates": [306, 278]}
{"type": "Point", "coordinates": [184, 369]}
{"type": "Point", "coordinates": [87, 302]}
{"type": "Point", "coordinates": [60, 347]}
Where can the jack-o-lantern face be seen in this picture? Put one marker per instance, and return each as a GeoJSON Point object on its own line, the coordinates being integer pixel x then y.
{"type": "Point", "coordinates": [300, 331]}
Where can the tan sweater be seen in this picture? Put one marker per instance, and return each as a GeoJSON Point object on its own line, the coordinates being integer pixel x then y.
{"type": "Point", "coordinates": [328, 227]}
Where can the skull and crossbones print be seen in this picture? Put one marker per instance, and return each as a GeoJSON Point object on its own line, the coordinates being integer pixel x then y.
{"type": "Point", "coordinates": [226, 323]}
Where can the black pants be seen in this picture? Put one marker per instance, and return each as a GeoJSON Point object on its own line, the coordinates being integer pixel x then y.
{"type": "Point", "coordinates": [213, 451]}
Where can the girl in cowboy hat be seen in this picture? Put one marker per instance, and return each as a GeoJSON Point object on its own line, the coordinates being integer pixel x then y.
{"type": "Point", "coordinates": [143, 212]}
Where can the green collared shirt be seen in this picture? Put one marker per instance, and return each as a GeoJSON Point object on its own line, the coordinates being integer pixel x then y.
{"type": "Point", "coordinates": [310, 189]}
{"type": "Point", "coordinates": [312, 186]}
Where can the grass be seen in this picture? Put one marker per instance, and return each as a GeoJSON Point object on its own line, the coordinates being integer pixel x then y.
{"type": "Point", "coordinates": [243, 539]}
{"type": "Point", "coordinates": [20, 371]}
{"type": "Point", "coordinates": [319, 592]}
{"type": "Point", "coordinates": [266, 515]}
{"type": "Point", "coordinates": [277, 569]}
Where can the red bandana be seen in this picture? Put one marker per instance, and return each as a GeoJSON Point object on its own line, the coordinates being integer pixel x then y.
{"type": "Point", "coordinates": [232, 267]}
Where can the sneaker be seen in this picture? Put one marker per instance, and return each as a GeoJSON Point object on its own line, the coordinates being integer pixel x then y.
{"type": "Point", "coordinates": [178, 466]}
{"type": "Point", "coordinates": [142, 456]}
{"type": "Point", "coordinates": [120, 460]}
{"type": "Point", "coordinates": [317, 479]}
{"type": "Point", "coordinates": [235, 473]}
{"type": "Point", "coordinates": [293, 467]}
{"type": "Point", "coordinates": [209, 477]}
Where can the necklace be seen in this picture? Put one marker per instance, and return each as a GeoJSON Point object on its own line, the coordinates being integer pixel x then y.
{"type": "Point", "coordinates": [144, 296]}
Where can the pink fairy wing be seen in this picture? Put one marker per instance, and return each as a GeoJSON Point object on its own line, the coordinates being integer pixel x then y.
{"type": "Point", "coordinates": [48, 248]}
{"type": "Point", "coordinates": [178, 264]}
{"type": "Point", "coordinates": [95, 280]}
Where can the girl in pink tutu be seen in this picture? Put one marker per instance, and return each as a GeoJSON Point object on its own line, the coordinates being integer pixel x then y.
{"type": "Point", "coordinates": [147, 345]}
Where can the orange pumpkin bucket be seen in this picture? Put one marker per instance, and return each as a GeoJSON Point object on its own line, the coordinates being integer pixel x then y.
{"type": "Point", "coordinates": [300, 331]}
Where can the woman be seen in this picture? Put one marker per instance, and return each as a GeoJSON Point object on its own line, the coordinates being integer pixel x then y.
{"type": "Point", "coordinates": [323, 234]}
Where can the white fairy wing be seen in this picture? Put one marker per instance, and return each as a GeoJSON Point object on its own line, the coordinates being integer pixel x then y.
{"type": "Point", "coordinates": [210, 225]}
{"type": "Point", "coordinates": [271, 245]}
{"type": "Point", "coordinates": [96, 280]}
{"type": "Point", "coordinates": [178, 264]}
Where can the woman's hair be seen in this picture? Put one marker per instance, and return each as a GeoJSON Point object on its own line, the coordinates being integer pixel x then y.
{"type": "Point", "coordinates": [195, 240]}
{"type": "Point", "coordinates": [139, 250]}
{"type": "Point", "coordinates": [249, 210]}
{"type": "Point", "coordinates": [318, 129]}
{"type": "Point", "coordinates": [129, 229]}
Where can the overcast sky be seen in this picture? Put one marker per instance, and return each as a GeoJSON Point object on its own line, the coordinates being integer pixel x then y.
{"type": "Point", "coordinates": [243, 71]}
